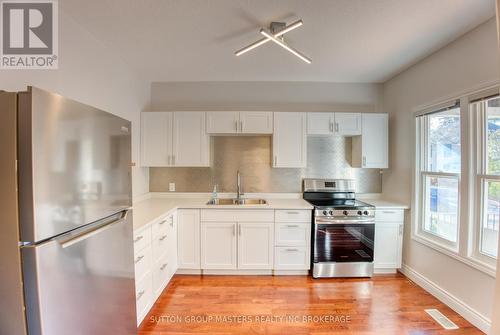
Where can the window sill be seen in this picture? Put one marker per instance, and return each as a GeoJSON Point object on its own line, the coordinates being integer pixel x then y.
{"type": "Point", "coordinates": [485, 268]}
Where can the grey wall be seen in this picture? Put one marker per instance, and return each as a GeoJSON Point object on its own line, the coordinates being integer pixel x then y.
{"type": "Point", "coordinates": [271, 96]}
{"type": "Point", "coordinates": [328, 157]}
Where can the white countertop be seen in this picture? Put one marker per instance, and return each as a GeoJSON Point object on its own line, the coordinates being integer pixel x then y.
{"type": "Point", "coordinates": [385, 204]}
{"type": "Point", "coordinates": [149, 209]}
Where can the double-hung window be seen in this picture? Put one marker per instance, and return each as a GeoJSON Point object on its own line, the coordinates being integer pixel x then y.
{"type": "Point", "coordinates": [485, 116]}
{"type": "Point", "coordinates": [438, 175]}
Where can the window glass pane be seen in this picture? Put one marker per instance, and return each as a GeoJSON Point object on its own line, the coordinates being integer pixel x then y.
{"type": "Point", "coordinates": [441, 206]}
{"type": "Point", "coordinates": [493, 143]}
{"type": "Point", "coordinates": [491, 219]}
{"type": "Point", "coordinates": [444, 141]}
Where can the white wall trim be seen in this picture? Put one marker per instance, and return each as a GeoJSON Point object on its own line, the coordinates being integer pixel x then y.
{"type": "Point", "coordinates": [197, 195]}
{"type": "Point", "coordinates": [467, 312]}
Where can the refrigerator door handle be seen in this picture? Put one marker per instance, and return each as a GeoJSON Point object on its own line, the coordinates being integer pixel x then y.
{"type": "Point", "coordinates": [86, 234]}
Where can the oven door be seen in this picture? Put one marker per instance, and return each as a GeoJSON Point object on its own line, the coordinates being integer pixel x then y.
{"type": "Point", "coordinates": [341, 240]}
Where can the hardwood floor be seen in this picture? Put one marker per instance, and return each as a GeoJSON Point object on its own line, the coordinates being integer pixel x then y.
{"type": "Point", "coordinates": [389, 304]}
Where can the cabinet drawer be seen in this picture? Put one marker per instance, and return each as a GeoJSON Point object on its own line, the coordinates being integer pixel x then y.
{"type": "Point", "coordinates": [161, 226]}
{"type": "Point", "coordinates": [142, 238]}
{"type": "Point", "coordinates": [160, 244]}
{"type": "Point", "coordinates": [389, 215]}
{"type": "Point", "coordinates": [292, 234]}
{"type": "Point", "coordinates": [293, 215]}
{"type": "Point", "coordinates": [291, 258]}
{"type": "Point", "coordinates": [142, 262]}
{"type": "Point", "coordinates": [238, 215]}
{"type": "Point", "coordinates": [160, 275]}
{"type": "Point", "coordinates": [143, 296]}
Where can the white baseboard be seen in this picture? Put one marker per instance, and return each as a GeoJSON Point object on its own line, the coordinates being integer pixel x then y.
{"type": "Point", "coordinates": [238, 272]}
{"type": "Point", "coordinates": [467, 312]}
{"type": "Point", "coordinates": [384, 271]}
{"type": "Point", "coordinates": [290, 272]}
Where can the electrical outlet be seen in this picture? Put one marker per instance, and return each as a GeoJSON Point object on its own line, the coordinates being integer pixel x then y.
{"type": "Point", "coordinates": [171, 187]}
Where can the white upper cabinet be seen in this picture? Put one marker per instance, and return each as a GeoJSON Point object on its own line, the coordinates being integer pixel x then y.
{"type": "Point", "coordinates": [223, 122]}
{"type": "Point", "coordinates": [371, 149]}
{"type": "Point", "coordinates": [289, 140]}
{"type": "Point", "coordinates": [256, 122]}
{"type": "Point", "coordinates": [341, 124]}
{"type": "Point", "coordinates": [156, 138]}
{"type": "Point", "coordinates": [239, 123]}
{"type": "Point", "coordinates": [191, 143]}
{"type": "Point", "coordinates": [174, 139]}
{"type": "Point", "coordinates": [319, 123]}
{"type": "Point", "coordinates": [347, 124]}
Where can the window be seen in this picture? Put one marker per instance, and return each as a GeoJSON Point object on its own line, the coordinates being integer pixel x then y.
{"type": "Point", "coordinates": [486, 121]}
{"type": "Point", "coordinates": [439, 147]}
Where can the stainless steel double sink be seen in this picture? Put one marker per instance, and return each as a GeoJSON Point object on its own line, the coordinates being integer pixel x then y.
{"type": "Point", "coordinates": [233, 201]}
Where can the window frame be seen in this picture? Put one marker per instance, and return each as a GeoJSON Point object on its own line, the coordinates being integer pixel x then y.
{"type": "Point", "coordinates": [421, 166]}
{"type": "Point", "coordinates": [479, 177]}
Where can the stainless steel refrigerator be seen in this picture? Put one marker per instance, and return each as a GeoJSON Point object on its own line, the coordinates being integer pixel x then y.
{"type": "Point", "coordinates": [66, 245]}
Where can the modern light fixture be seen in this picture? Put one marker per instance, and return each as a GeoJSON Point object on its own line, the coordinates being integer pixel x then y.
{"type": "Point", "coordinates": [277, 30]}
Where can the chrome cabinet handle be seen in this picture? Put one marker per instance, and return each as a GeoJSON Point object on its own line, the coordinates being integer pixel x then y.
{"type": "Point", "coordinates": [292, 250]}
{"type": "Point", "coordinates": [330, 127]}
{"type": "Point", "coordinates": [389, 212]}
{"type": "Point", "coordinates": [138, 238]}
{"type": "Point", "coordinates": [292, 226]}
{"type": "Point", "coordinates": [163, 266]}
{"type": "Point", "coordinates": [163, 237]}
{"type": "Point", "coordinates": [293, 212]}
{"type": "Point", "coordinates": [364, 161]}
{"type": "Point", "coordinates": [138, 259]}
{"type": "Point", "coordinates": [169, 160]}
{"type": "Point", "coordinates": [236, 125]}
{"type": "Point", "coordinates": [400, 229]}
{"type": "Point", "coordinates": [139, 296]}
{"type": "Point", "coordinates": [275, 160]}
{"type": "Point", "coordinates": [234, 230]}
{"type": "Point", "coordinates": [162, 222]}
{"type": "Point", "coordinates": [241, 126]}
{"type": "Point", "coordinates": [239, 230]}
{"type": "Point", "coordinates": [173, 159]}
{"type": "Point", "coordinates": [336, 127]}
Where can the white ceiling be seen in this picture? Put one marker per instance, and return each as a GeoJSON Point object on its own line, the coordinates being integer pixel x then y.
{"type": "Point", "coordinates": [348, 40]}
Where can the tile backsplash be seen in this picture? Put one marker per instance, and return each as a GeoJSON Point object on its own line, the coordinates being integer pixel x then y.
{"type": "Point", "coordinates": [327, 157]}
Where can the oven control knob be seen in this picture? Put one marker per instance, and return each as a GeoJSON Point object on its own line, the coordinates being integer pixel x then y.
{"type": "Point", "coordinates": [360, 213]}
{"type": "Point", "coordinates": [365, 212]}
{"type": "Point", "coordinates": [325, 212]}
{"type": "Point", "coordinates": [345, 213]}
{"type": "Point", "coordinates": [331, 213]}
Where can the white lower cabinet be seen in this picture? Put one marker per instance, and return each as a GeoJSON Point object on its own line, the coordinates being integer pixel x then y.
{"type": "Point", "coordinates": [188, 237]}
{"type": "Point", "coordinates": [155, 252]}
{"type": "Point", "coordinates": [218, 245]}
{"type": "Point", "coordinates": [388, 240]}
{"type": "Point", "coordinates": [292, 240]}
{"type": "Point", "coordinates": [255, 245]}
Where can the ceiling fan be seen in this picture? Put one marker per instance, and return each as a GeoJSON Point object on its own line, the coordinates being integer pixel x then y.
{"type": "Point", "coordinates": [275, 34]}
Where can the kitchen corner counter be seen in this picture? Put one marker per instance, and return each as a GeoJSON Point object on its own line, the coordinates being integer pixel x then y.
{"type": "Point", "coordinates": [150, 209]}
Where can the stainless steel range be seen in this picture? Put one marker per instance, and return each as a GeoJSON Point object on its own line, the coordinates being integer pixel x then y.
{"type": "Point", "coordinates": [343, 229]}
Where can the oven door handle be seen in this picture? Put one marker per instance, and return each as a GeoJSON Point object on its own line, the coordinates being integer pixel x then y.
{"type": "Point", "coordinates": [337, 221]}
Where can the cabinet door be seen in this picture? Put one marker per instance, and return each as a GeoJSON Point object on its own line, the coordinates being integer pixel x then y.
{"type": "Point", "coordinates": [191, 142]}
{"type": "Point", "coordinates": [375, 141]}
{"type": "Point", "coordinates": [188, 238]}
{"type": "Point", "coordinates": [347, 124]}
{"type": "Point", "coordinates": [319, 123]}
{"type": "Point", "coordinates": [292, 258]}
{"type": "Point", "coordinates": [218, 245]}
{"type": "Point", "coordinates": [256, 122]}
{"type": "Point", "coordinates": [172, 244]}
{"type": "Point", "coordinates": [255, 245]}
{"type": "Point", "coordinates": [222, 122]}
{"type": "Point", "coordinates": [289, 140]}
{"type": "Point", "coordinates": [388, 245]}
{"type": "Point", "coordinates": [156, 138]}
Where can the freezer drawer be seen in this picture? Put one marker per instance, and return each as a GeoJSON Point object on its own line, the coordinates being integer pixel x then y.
{"type": "Point", "coordinates": [83, 282]}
